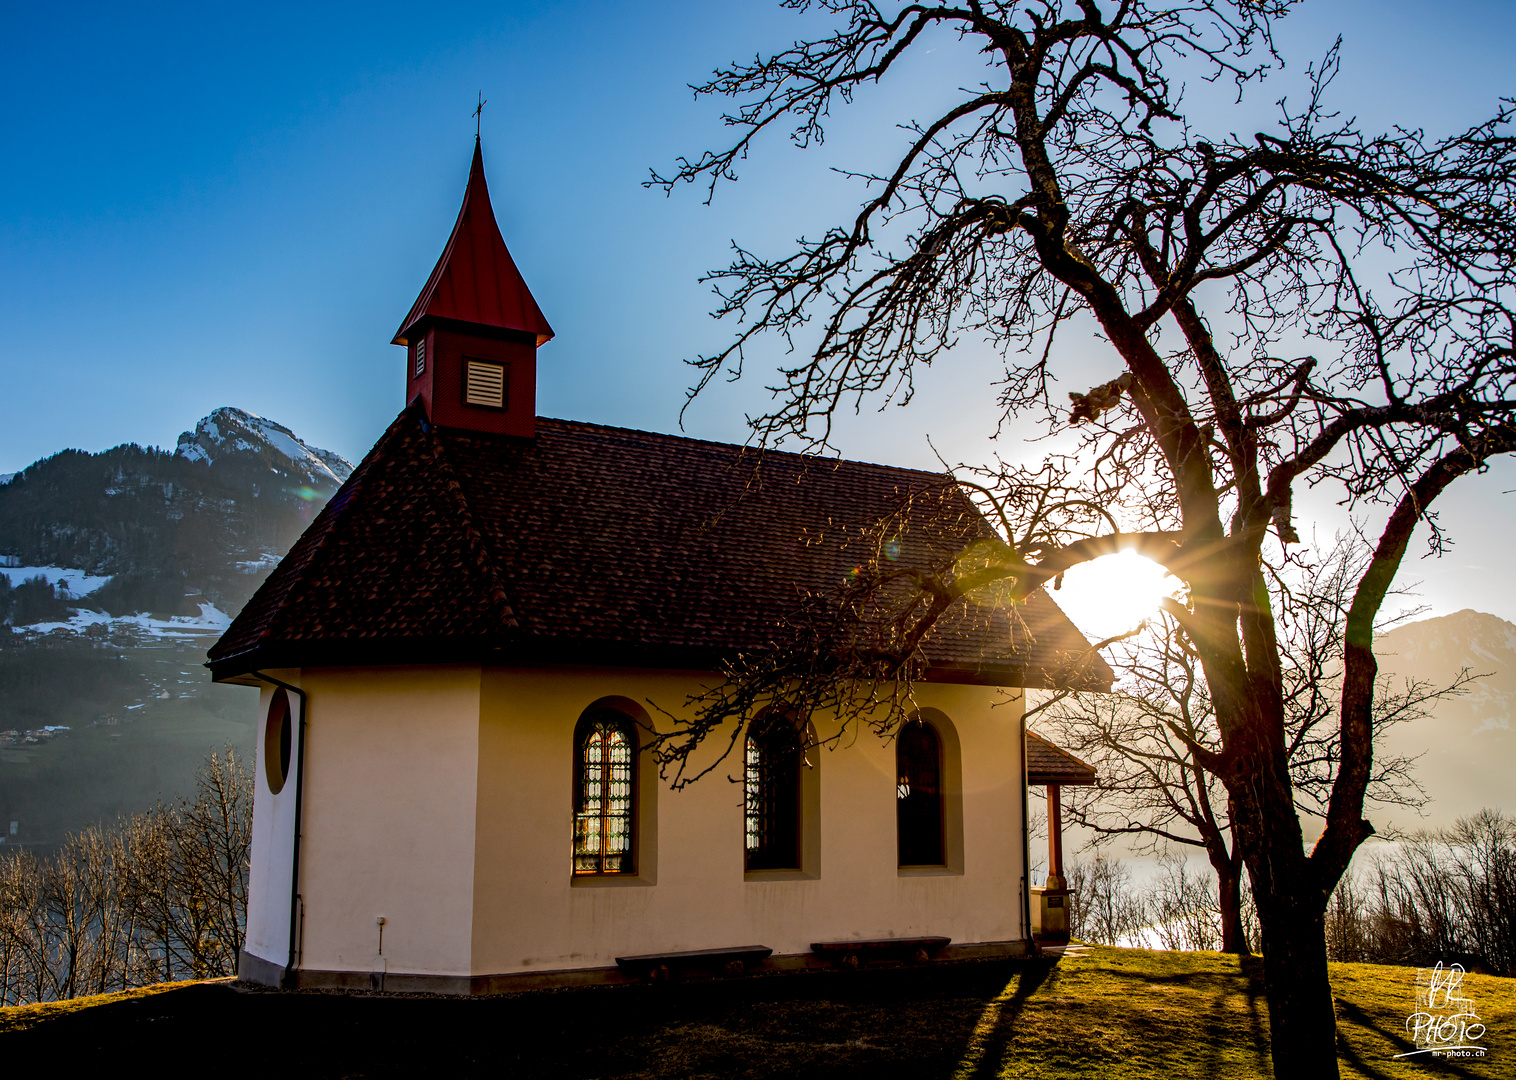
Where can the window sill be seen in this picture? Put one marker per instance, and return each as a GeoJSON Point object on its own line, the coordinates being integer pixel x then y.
{"type": "Point", "coordinates": [779, 875]}
{"type": "Point", "coordinates": [928, 871]}
{"type": "Point", "coordinates": [608, 881]}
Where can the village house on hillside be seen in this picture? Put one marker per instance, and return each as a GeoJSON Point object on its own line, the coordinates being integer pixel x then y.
{"type": "Point", "coordinates": [463, 659]}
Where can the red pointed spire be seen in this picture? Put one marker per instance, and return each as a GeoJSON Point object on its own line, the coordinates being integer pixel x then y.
{"type": "Point", "coordinates": [475, 280]}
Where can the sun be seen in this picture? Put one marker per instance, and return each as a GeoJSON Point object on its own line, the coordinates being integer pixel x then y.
{"type": "Point", "coordinates": [1114, 593]}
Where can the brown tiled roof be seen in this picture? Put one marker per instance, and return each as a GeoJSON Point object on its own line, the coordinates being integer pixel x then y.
{"type": "Point", "coordinates": [1050, 764]}
{"type": "Point", "coordinates": [591, 544]}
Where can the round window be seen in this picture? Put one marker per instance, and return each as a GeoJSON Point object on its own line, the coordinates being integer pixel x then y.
{"type": "Point", "coordinates": [277, 741]}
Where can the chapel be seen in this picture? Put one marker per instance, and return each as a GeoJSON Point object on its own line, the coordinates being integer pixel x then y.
{"type": "Point", "coordinates": [463, 662]}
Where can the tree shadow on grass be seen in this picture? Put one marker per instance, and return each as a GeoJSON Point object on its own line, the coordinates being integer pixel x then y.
{"type": "Point", "coordinates": [1346, 1010]}
{"type": "Point", "coordinates": [991, 1038]}
{"type": "Point", "coordinates": [1215, 1018]}
{"type": "Point", "coordinates": [1250, 968]}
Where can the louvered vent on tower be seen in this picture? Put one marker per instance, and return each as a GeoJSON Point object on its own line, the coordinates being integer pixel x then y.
{"type": "Point", "coordinates": [485, 384]}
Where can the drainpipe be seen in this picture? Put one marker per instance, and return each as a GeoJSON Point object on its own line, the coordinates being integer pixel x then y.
{"type": "Point", "coordinates": [1026, 849]}
{"type": "Point", "coordinates": [289, 968]}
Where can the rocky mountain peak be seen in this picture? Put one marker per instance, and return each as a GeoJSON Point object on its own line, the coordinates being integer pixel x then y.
{"type": "Point", "coordinates": [228, 431]}
{"type": "Point", "coordinates": [1466, 638]}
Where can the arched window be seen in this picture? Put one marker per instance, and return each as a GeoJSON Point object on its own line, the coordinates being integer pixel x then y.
{"type": "Point", "coordinates": [605, 769]}
{"type": "Point", "coordinates": [774, 757]}
{"type": "Point", "coordinates": [918, 794]}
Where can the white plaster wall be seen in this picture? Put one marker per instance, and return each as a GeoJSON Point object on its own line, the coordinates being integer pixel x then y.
{"type": "Point", "coordinates": [391, 762]}
{"type": "Point", "coordinates": [531, 914]}
{"type": "Point", "coordinates": [268, 887]}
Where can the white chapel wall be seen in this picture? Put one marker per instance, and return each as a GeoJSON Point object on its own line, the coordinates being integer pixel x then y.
{"type": "Point", "coordinates": [531, 914]}
{"type": "Point", "coordinates": [268, 887]}
{"type": "Point", "coordinates": [391, 761]}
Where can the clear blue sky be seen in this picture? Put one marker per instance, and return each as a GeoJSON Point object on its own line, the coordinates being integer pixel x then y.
{"type": "Point", "coordinates": [205, 206]}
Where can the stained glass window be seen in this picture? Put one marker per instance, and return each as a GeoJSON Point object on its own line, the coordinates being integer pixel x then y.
{"type": "Point", "coordinates": [918, 795]}
{"type": "Point", "coordinates": [774, 757]}
{"type": "Point", "coordinates": [603, 807]}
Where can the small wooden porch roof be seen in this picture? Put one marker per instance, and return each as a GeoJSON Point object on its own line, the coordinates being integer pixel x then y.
{"type": "Point", "coordinates": [1047, 764]}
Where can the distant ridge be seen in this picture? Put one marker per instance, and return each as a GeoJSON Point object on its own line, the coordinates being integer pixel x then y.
{"type": "Point", "coordinates": [1468, 745]}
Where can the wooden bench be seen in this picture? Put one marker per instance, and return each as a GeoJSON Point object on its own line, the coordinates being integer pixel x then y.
{"type": "Point", "coordinates": [668, 965]}
{"type": "Point", "coordinates": [852, 952]}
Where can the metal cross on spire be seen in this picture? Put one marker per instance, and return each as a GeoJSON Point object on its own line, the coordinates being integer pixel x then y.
{"type": "Point", "coordinates": [479, 113]}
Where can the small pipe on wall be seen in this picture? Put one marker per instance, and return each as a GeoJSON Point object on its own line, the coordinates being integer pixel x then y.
{"type": "Point", "coordinates": [1026, 828]}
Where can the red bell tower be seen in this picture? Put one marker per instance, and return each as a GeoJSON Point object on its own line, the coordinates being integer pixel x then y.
{"type": "Point", "coordinates": [471, 337]}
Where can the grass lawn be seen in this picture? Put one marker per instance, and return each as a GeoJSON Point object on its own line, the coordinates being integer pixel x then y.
{"type": "Point", "coordinates": [1111, 1014]}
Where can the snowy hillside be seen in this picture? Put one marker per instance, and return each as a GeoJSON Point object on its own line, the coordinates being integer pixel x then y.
{"type": "Point", "coordinates": [93, 540]}
{"type": "Point", "coordinates": [231, 431]}
{"type": "Point", "coordinates": [61, 578]}
{"type": "Point", "coordinates": [1468, 746]}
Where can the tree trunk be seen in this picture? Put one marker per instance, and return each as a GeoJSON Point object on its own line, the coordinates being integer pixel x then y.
{"type": "Point", "coordinates": [1292, 920]}
{"type": "Point", "coordinates": [1234, 937]}
{"type": "Point", "coordinates": [1302, 1017]}
{"type": "Point", "coordinates": [1291, 903]}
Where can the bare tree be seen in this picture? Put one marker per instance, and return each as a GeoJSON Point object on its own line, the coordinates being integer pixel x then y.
{"type": "Point", "coordinates": [188, 879]}
{"type": "Point", "coordinates": [1447, 895]}
{"type": "Point", "coordinates": [159, 896]}
{"type": "Point", "coordinates": [1183, 912]}
{"type": "Point", "coordinates": [1176, 909]}
{"type": "Point", "coordinates": [65, 928]}
{"type": "Point", "coordinates": [1364, 283]}
{"type": "Point", "coordinates": [1103, 910]}
{"type": "Point", "coordinates": [1152, 789]}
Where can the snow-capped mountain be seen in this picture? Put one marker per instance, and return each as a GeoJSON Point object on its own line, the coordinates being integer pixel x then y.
{"type": "Point", "coordinates": [1468, 744]}
{"type": "Point", "coordinates": [158, 532]}
{"type": "Point", "coordinates": [233, 431]}
{"type": "Point", "coordinates": [117, 569]}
